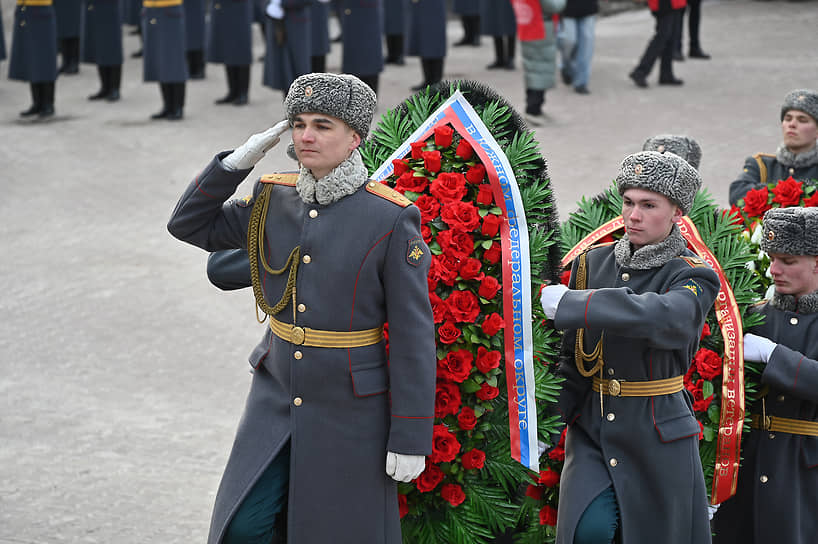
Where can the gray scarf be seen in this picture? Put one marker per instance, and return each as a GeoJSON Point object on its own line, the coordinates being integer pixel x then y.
{"type": "Point", "coordinates": [343, 180]}
{"type": "Point", "coordinates": [790, 159]}
{"type": "Point", "coordinates": [807, 304]}
{"type": "Point", "coordinates": [652, 256]}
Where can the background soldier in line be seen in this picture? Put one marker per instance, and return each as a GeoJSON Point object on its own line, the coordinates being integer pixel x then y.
{"type": "Point", "coordinates": [34, 54]}
{"type": "Point", "coordinates": [497, 20]}
{"type": "Point", "coordinates": [427, 38]}
{"type": "Point", "coordinates": [362, 54]}
{"type": "Point", "coordinates": [102, 45]}
{"type": "Point", "coordinates": [469, 11]}
{"type": "Point", "coordinates": [68, 13]}
{"type": "Point", "coordinates": [195, 37]}
{"type": "Point", "coordinates": [230, 43]}
{"type": "Point", "coordinates": [164, 60]}
{"type": "Point", "coordinates": [289, 39]}
{"type": "Point", "coordinates": [319, 33]}
{"type": "Point", "coordinates": [2, 39]}
{"type": "Point", "coordinates": [395, 27]}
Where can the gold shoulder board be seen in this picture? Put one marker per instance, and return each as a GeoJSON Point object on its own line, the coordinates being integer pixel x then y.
{"type": "Point", "coordinates": [761, 302]}
{"type": "Point", "coordinates": [387, 192]}
{"type": "Point", "coordinates": [280, 179]}
{"type": "Point", "coordinates": [694, 262]}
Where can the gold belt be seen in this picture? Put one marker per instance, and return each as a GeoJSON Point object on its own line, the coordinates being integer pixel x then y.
{"type": "Point", "coordinates": [161, 3]}
{"type": "Point", "coordinates": [305, 336]}
{"type": "Point", "coordinates": [785, 425]}
{"type": "Point", "coordinates": [34, 2]}
{"type": "Point", "coordinates": [648, 388]}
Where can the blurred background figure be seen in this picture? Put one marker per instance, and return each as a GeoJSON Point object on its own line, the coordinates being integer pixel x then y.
{"type": "Point", "coordinates": [694, 14]}
{"type": "Point", "coordinates": [427, 38]}
{"type": "Point", "coordinates": [195, 38]}
{"type": "Point", "coordinates": [68, 13]}
{"type": "Point", "coordinates": [538, 42]}
{"type": "Point", "coordinates": [289, 41]}
{"type": "Point", "coordinates": [469, 11]}
{"type": "Point", "coordinates": [576, 42]}
{"type": "Point", "coordinates": [34, 54]}
{"type": "Point", "coordinates": [230, 43]}
{"type": "Point", "coordinates": [497, 20]}
{"type": "Point", "coordinates": [667, 14]}
{"type": "Point", "coordinates": [362, 28]}
{"type": "Point", "coordinates": [164, 59]}
{"type": "Point", "coordinates": [102, 45]}
{"type": "Point", "coordinates": [395, 19]}
{"type": "Point", "coordinates": [319, 32]}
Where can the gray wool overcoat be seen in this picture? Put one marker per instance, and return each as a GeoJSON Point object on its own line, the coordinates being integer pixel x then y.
{"type": "Point", "coordinates": [751, 174]}
{"type": "Point", "coordinates": [163, 35]}
{"type": "Point", "coordinates": [102, 32]}
{"type": "Point", "coordinates": [646, 447]}
{"type": "Point", "coordinates": [342, 409]}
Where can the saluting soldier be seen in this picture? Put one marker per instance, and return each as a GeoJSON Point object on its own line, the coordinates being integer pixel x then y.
{"type": "Point", "coordinates": [362, 24]}
{"type": "Point", "coordinates": [333, 256]}
{"type": "Point", "coordinates": [34, 53]}
{"type": "Point", "coordinates": [777, 491]}
{"type": "Point", "coordinates": [633, 313]}
{"type": "Point", "coordinates": [289, 41]}
{"type": "Point", "coordinates": [102, 45]}
{"type": "Point", "coordinates": [427, 38]}
{"type": "Point", "coordinates": [69, 14]}
{"type": "Point", "coordinates": [194, 37]}
{"type": "Point", "coordinates": [230, 43]}
{"type": "Point", "coordinates": [163, 23]}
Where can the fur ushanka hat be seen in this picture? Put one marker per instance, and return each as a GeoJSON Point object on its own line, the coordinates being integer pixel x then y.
{"type": "Point", "coordinates": [805, 100]}
{"type": "Point", "coordinates": [684, 146]}
{"type": "Point", "coordinates": [663, 173]}
{"type": "Point", "coordinates": [791, 231]}
{"type": "Point", "coordinates": [340, 95]}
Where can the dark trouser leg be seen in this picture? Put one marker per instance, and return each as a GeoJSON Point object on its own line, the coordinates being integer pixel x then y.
{"type": "Point", "coordinates": [599, 522]}
{"type": "Point", "coordinates": [104, 84]}
{"type": "Point", "coordinates": [511, 41]}
{"type": "Point", "coordinates": [318, 63]}
{"type": "Point", "coordinates": [666, 63]}
{"type": "Point", "coordinates": [664, 34]}
{"type": "Point", "coordinates": [195, 63]}
{"type": "Point", "coordinates": [232, 73]}
{"type": "Point", "coordinates": [242, 84]}
{"type": "Point", "coordinates": [394, 49]}
{"type": "Point", "coordinates": [435, 70]}
{"type": "Point", "coordinates": [165, 88]}
{"type": "Point", "coordinates": [694, 18]}
{"type": "Point", "coordinates": [46, 98]}
{"type": "Point", "coordinates": [36, 101]}
{"type": "Point", "coordinates": [114, 81]}
{"type": "Point", "coordinates": [473, 32]}
{"type": "Point", "coordinates": [499, 54]}
{"type": "Point", "coordinates": [255, 520]}
{"type": "Point", "coordinates": [72, 63]}
{"type": "Point", "coordinates": [534, 99]}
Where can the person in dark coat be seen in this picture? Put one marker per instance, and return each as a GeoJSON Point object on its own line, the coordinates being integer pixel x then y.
{"type": "Point", "coordinates": [694, 15]}
{"type": "Point", "coordinates": [34, 53]}
{"type": "Point", "coordinates": [2, 39]}
{"type": "Point", "coordinates": [319, 35]}
{"type": "Point", "coordinates": [163, 23]}
{"type": "Point", "coordinates": [330, 424]}
{"type": "Point", "coordinates": [69, 15]}
{"type": "Point", "coordinates": [777, 490]}
{"type": "Point", "coordinates": [230, 43]}
{"type": "Point", "coordinates": [498, 21]}
{"type": "Point", "coordinates": [667, 14]}
{"type": "Point", "coordinates": [102, 45]}
{"type": "Point", "coordinates": [469, 12]}
{"type": "Point", "coordinates": [395, 28]}
{"type": "Point", "coordinates": [633, 313]}
{"type": "Point", "coordinates": [195, 37]}
{"type": "Point", "coordinates": [289, 41]}
{"type": "Point", "coordinates": [362, 54]}
{"type": "Point", "coordinates": [796, 157]}
{"type": "Point", "coordinates": [427, 39]}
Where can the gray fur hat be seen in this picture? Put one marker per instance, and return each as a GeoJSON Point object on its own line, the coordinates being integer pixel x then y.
{"type": "Point", "coordinates": [805, 100]}
{"type": "Point", "coordinates": [684, 146]}
{"type": "Point", "coordinates": [340, 95]}
{"type": "Point", "coordinates": [792, 231]}
{"type": "Point", "coordinates": [663, 173]}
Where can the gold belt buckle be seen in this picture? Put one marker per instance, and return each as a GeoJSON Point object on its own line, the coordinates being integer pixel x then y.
{"type": "Point", "coordinates": [297, 336]}
{"type": "Point", "coordinates": [614, 388]}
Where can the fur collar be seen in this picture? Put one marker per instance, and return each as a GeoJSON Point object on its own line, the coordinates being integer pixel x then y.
{"type": "Point", "coordinates": [790, 159]}
{"type": "Point", "coordinates": [652, 256]}
{"type": "Point", "coordinates": [807, 304]}
{"type": "Point", "coordinates": [343, 180]}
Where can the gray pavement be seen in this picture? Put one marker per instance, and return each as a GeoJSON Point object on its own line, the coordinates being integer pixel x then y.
{"type": "Point", "coordinates": [123, 372]}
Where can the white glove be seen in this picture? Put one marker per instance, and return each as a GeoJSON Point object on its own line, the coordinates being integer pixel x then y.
{"type": "Point", "coordinates": [275, 10]}
{"type": "Point", "coordinates": [550, 299]}
{"type": "Point", "coordinates": [404, 468]}
{"type": "Point", "coordinates": [758, 348]}
{"type": "Point", "coordinates": [251, 151]}
{"type": "Point", "coordinates": [711, 510]}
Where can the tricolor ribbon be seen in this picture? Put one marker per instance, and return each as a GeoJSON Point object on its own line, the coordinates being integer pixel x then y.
{"type": "Point", "coordinates": [731, 418]}
{"type": "Point", "coordinates": [519, 351]}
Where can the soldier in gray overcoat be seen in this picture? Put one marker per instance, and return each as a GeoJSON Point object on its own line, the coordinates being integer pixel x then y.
{"type": "Point", "coordinates": [102, 45]}
{"type": "Point", "coordinates": [797, 156]}
{"type": "Point", "coordinates": [230, 43]}
{"type": "Point", "coordinates": [195, 37]}
{"type": "Point", "coordinates": [163, 23]}
{"type": "Point", "coordinates": [633, 314]}
{"type": "Point", "coordinates": [427, 38]}
{"type": "Point", "coordinates": [34, 53]}
{"type": "Point", "coordinates": [330, 422]}
{"type": "Point", "coordinates": [777, 491]}
{"type": "Point", "coordinates": [69, 14]}
{"type": "Point", "coordinates": [362, 54]}
{"type": "Point", "coordinates": [319, 35]}
{"type": "Point", "coordinates": [469, 12]}
{"type": "Point", "coordinates": [395, 28]}
{"type": "Point", "coordinates": [289, 40]}
{"type": "Point", "coordinates": [498, 21]}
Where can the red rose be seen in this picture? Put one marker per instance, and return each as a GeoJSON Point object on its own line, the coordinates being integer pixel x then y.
{"type": "Point", "coordinates": [455, 243]}
{"type": "Point", "coordinates": [417, 149]}
{"type": "Point", "coordinates": [440, 310]}
{"type": "Point", "coordinates": [812, 201]}
{"type": "Point", "coordinates": [463, 306]}
{"type": "Point", "coordinates": [443, 135]}
{"type": "Point", "coordinates": [429, 478]}
{"type": "Point", "coordinates": [456, 366]}
{"type": "Point", "coordinates": [447, 399]}
{"type": "Point", "coordinates": [557, 454]}
{"type": "Point", "coordinates": [487, 360]}
{"type": "Point", "coordinates": [429, 207]}
{"type": "Point", "coordinates": [489, 287]}
{"type": "Point", "coordinates": [464, 150]}
{"type": "Point", "coordinates": [534, 491]}
{"type": "Point", "coordinates": [470, 269]}
{"type": "Point", "coordinates": [448, 333]}
{"type": "Point", "coordinates": [493, 253]}
{"type": "Point", "coordinates": [426, 232]}
{"type": "Point", "coordinates": [449, 186]}
{"type": "Point", "coordinates": [487, 392]}
{"type": "Point", "coordinates": [445, 446]}
{"type": "Point", "coordinates": [476, 173]}
{"type": "Point", "coordinates": [561, 443]}
{"type": "Point", "coordinates": [403, 505]}
{"type": "Point", "coordinates": [491, 225]}
{"type": "Point", "coordinates": [460, 215]}
{"type": "Point", "coordinates": [473, 459]}
{"type": "Point", "coordinates": [408, 181]}
{"type": "Point", "coordinates": [485, 195]}
{"type": "Point", "coordinates": [548, 516]}
{"type": "Point", "coordinates": [431, 160]}
{"type": "Point", "coordinates": [444, 268]}
{"type": "Point", "coordinates": [466, 419]}
{"type": "Point", "coordinates": [688, 377]}
{"type": "Point", "coordinates": [705, 331]}
{"type": "Point", "coordinates": [701, 430]}
{"type": "Point", "coordinates": [788, 192]}
{"type": "Point", "coordinates": [453, 493]}
{"type": "Point", "coordinates": [400, 166]}
{"type": "Point", "coordinates": [565, 277]}
{"type": "Point", "coordinates": [549, 478]}
{"type": "Point", "coordinates": [493, 324]}
{"type": "Point", "coordinates": [708, 363]}
{"type": "Point", "coordinates": [755, 202]}
{"type": "Point", "coordinates": [700, 403]}
{"type": "Point", "coordinates": [431, 282]}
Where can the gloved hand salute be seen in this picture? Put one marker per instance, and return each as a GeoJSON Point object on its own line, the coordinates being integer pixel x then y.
{"type": "Point", "coordinates": [250, 152]}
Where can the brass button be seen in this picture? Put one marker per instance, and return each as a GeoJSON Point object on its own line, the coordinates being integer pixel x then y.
{"type": "Point", "coordinates": [781, 398]}
{"type": "Point", "coordinates": [313, 213]}
{"type": "Point", "coordinates": [613, 462]}
{"type": "Point", "coordinates": [307, 259]}
{"type": "Point", "coordinates": [302, 308]}
{"type": "Point", "coordinates": [297, 401]}
{"type": "Point", "coordinates": [22, 23]}
{"type": "Point", "coordinates": [793, 321]}
{"type": "Point", "coordinates": [764, 479]}
{"type": "Point", "coordinates": [217, 6]}
{"type": "Point", "coordinates": [771, 436]}
{"type": "Point", "coordinates": [611, 416]}
{"type": "Point", "coordinates": [792, 170]}
{"type": "Point", "coordinates": [297, 336]}
{"type": "Point", "coordinates": [614, 388]}
{"type": "Point", "coordinates": [91, 8]}
{"type": "Point", "coordinates": [153, 21]}
{"type": "Point", "coordinates": [347, 11]}
{"type": "Point", "coordinates": [22, 8]}
{"type": "Point", "coordinates": [626, 276]}
{"type": "Point", "coordinates": [610, 372]}
{"type": "Point", "coordinates": [298, 355]}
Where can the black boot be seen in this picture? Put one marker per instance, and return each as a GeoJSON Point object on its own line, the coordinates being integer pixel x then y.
{"type": "Point", "coordinates": [104, 83]}
{"type": "Point", "coordinates": [166, 101]}
{"type": "Point", "coordinates": [63, 47]}
{"type": "Point", "coordinates": [467, 37]}
{"type": "Point", "coordinates": [425, 65]}
{"type": "Point", "coordinates": [36, 101]}
{"type": "Point", "coordinates": [114, 80]}
{"type": "Point", "coordinates": [177, 101]}
{"type": "Point", "coordinates": [318, 63]}
{"type": "Point", "coordinates": [372, 81]}
{"type": "Point", "coordinates": [47, 99]}
{"type": "Point", "coordinates": [394, 49]}
{"type": "Point", "coordinates": [474, 29]}
{"type": "Point", "coordinates": [232, 84]}
{"type": "Point", "coordinates": [511, 41]}
{"type": "Point", "coordinates": [195, 64]}
{"type": "Point", "coordinates": [534, 99]}
{"type": "Point", "coordinates": [499, 54]}
{"type": "Point", "coordinates": [436, 71]}
{"type": "Point", "coordinates": [242, 84]}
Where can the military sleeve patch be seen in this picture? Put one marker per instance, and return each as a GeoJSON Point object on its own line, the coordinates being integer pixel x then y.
{"type": "Point", "coordinates": [415, 251]}
{"type": "Point", "coordinates": [693, 286]}
{"type": "Point", "coordinates": [245, 202]}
